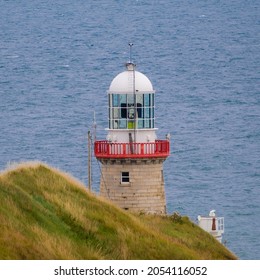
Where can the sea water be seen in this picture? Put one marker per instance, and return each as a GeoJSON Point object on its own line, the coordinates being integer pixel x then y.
{"type": "Point", "coordinates": [57, 59]}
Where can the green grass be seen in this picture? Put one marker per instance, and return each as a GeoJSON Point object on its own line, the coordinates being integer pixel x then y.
{"type": "Point", "coordinates": [47, 214]}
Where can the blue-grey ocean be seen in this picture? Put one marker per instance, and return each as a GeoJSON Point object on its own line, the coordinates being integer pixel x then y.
{"type": "Point", "coordinates": [58, 58]}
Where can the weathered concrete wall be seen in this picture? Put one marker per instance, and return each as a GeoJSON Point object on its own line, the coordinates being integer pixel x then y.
{"type": "Point", "coordinates": [145, 190]}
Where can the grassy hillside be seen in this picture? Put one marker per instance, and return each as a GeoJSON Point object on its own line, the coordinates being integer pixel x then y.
{"type": "Point", "coordinates": [46, 214]}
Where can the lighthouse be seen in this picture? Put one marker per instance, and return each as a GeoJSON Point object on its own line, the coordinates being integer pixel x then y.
{"type": "Point", "coordinates": [131, 156]}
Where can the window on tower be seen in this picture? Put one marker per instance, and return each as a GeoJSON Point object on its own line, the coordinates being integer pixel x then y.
{"type": "Point", "coordinates": [125, 178]}
{"type": "Point", "coordinates": [130, 111]}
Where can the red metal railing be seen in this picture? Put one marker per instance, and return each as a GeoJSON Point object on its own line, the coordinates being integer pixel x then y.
{"type": "Point", "coordinates": [158, 149]}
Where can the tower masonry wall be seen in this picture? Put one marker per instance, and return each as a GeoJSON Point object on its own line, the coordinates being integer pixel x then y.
{"type": "Point", "coordinates": [144, 189]}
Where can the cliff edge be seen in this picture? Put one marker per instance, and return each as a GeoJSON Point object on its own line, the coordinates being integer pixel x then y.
{"type": "Point", "coordinates": [47, 214]}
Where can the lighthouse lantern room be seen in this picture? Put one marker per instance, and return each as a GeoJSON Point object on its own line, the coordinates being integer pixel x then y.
{"type": "Point", "coordinates": [132, 157]}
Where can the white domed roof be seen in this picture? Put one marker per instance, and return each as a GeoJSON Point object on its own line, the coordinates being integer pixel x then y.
{"type": "Point", "coordinates": [123, 83]}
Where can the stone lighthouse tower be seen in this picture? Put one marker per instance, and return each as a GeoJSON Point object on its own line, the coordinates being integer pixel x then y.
{"type": "Point", "coordinates": [132, 157]}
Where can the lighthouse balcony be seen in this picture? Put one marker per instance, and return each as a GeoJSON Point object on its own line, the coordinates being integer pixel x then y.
{"type": "Point", "coordinates": [157, 149]}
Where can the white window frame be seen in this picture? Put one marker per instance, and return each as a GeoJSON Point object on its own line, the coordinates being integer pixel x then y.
{"type": "Point", "coordinates": [125, 177]}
